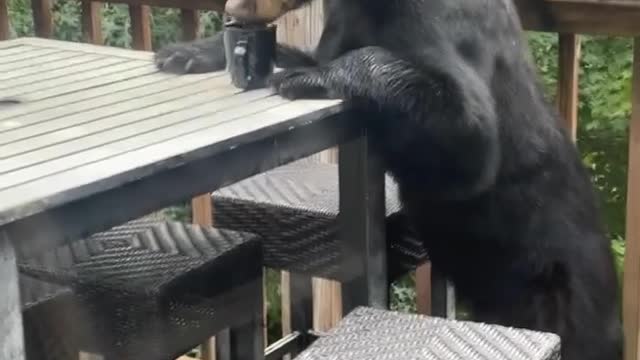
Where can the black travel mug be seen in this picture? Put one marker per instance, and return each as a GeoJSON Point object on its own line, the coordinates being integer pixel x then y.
{"type": "Point", "coordinates": [250, 51]}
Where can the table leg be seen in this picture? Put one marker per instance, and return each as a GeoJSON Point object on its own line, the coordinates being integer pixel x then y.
{"type": "Point", "coordinates": [246, 341]}
{"type": "Point", "coordinates": [11, 333]}
{"type": "Point", "coordinates": [361, 221]}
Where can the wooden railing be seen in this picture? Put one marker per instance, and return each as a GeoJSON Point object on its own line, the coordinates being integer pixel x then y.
{"type": "Point", "coordinates": [568, 18]}
{"type": "Point", "coordinates": [139, 11]}
{"type": "Point", "coordinates": [605, 17]}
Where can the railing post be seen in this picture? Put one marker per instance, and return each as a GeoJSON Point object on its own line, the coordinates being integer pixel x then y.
{"type": "Point", "coordinates": [92, 22]}
{"type": "Point", "coordinates": [42, 20]}
{"type": "Point", "coordinates": [4, 20]}
{"type": "Point", "coordinates": [140, 26]}
{"type": "Point", "coordinates": [568, 68]}
{"type": "Point", "coordinates": [631, 297]}
{"type": "Point", "coordinates": [190, 24]}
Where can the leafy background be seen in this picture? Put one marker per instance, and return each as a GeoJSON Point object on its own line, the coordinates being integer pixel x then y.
{"type": "Point", "coordinates": [605, 93]}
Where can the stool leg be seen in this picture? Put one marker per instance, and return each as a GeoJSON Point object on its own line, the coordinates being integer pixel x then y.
{"type": "Point", "coordinates": [246, 341]}
{"type": "Point", "coordinates": [301, 308]}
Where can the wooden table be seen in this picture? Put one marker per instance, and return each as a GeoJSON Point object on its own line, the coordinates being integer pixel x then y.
{"type": "Point", "coordinates": [100, 137]}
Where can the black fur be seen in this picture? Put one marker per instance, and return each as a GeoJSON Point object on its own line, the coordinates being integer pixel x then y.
{"type": "Point", "coordinates": [490, 181]}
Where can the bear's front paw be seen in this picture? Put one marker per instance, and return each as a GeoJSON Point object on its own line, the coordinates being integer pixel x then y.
{"type": "Point", "coordinates": [185, 58]}
{"type": "Point", "coordinates": [299, 83]}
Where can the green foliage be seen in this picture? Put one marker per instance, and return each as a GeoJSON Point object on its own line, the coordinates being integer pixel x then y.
{"type": "Point", "coordinates": [605, 89]}
{"type": "Point", "coordinates": [604, 112]}
{"type": "Point", "coordinates": [116, 24]}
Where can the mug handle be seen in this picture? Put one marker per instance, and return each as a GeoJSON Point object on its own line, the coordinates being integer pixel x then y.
{"type": "Point", "coordinates": [241, 62]}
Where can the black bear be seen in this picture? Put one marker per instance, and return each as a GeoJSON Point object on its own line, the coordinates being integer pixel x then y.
{"type": "Point", "coordinates": [489, 180]}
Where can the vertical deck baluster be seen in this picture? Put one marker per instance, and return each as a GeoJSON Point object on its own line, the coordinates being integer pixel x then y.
{"type": "Point", "coordinates": [4, 20]}
{"type": "Point", "coordinates": [140, 26]}
{"type": "Point", "coordinates": [190, 24]}
{"type": "Point", "coordinates": [92, 22]}
{"type": "Point", "coordinates": [42, 19]}
{"type": "Point", "coordinates": [631, 297]}
{"type": "Point", "coordinates": [568, 72]}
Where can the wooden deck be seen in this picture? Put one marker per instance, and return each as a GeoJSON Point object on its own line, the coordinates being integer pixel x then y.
{"type": "Point", "coordinates": [569, 18]}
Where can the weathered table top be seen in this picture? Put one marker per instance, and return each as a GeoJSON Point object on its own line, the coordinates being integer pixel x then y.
{"type": "Point", "coordinates": [101, 137]}
{"type": "Point", "coordinates": [91, 118]}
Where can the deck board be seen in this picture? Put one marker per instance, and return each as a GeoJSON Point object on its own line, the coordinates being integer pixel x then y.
{"type": "Point", "coordinates": [93, 117]}
{"type": "Point", "coordinates": [35, 61]}
{"type": "Point", "coordinates": [82, 85]}
{"type": "Point", "coordinates": [15, 50]}
{"type": "Point", "coordinates": [109, 105]}
{"type": "Point", "coordinates": [119, 140]}
{"type": "Point", "coordinates": [52, 103]}
{"type": "Point", "coordinates": [102, 74]}
{"type": "Point", "coordinates": [33, 55]}
{"type": "Point", "coordinates": [111, 128]}
{"type": "Point", "coordinates": [49, 66]}
{"type": "Point", "coordinates": [57, 74]}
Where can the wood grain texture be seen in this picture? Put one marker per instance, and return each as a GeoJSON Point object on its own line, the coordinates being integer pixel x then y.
{"type": "Point", "coordinates": [631, 292]}
{"type": "Point", "coordinates": [140, 26]}
{"type": "Point", "coordinates": [85, 72]}
{"type": "Point", "coordinates": [327, 304]}
{"type": "Point", "coordinates": [4, 20]}
{"type": "Point", "coordinates": [190, 20]}
{"type": "Point", "coordinates": [95, 102]}
{"type": "Point", "coordinates": [71, 109]}
{"type": "Point", "coordinates": [285, 302]}
{"type": "Point", "coordinates": [581, 16]}
{"type": "Point", "coordinates": [11, 50]}
{"type": "Point", "coordinates": [28, 58]}
{"type": "Point", "coordinates": [131, 133]}
{"type": "Point", "coordinates": [202, 211]}
{"type": "Point", "coordinates": [72, 47]}
{"type": "Point", "coordinates": [85, 65]}
{"type": "Point", "coordinates": [214, 5]}
{"type": "Point", "coordinates": [92, 22]}
{"type": "Point", "coordinates": [37, 92]}
{"type": "Point", "coordinates": [423, 289]}
{"type": "Point", "coordinates": [211, 133]}
{"type": "Point", "coordinates": [568, 72]}
{"type": "Point", "coordinates": [42, 18]}
{"type": "Point", "coordinates": [46, 71]}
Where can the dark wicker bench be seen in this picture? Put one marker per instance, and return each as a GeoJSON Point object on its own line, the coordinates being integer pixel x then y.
{"type": "Point", "coordinates": [294, 208]}
{"type": "Point", "coordinates": [146, 290]}
{"type": "Point", "coordinates": [369, 334]}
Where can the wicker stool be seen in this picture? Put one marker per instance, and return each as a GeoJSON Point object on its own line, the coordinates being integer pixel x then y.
{"type": "Point", "coordinates": [294, 208]}
{"type": "Point", "coordinates": [369, 334]}
{"type": "Point", "coordinates": [146, 290]}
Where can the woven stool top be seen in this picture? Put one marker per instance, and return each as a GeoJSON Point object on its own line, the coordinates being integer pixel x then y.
{"type": "Point", "coordinates": [150, 257]}
{"type": "Point", "coordinates": [302, 185]}
{"type": "Point", "coordinates": [294, 209]}
{"type": "Point", "coordinates": [370, 334]}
